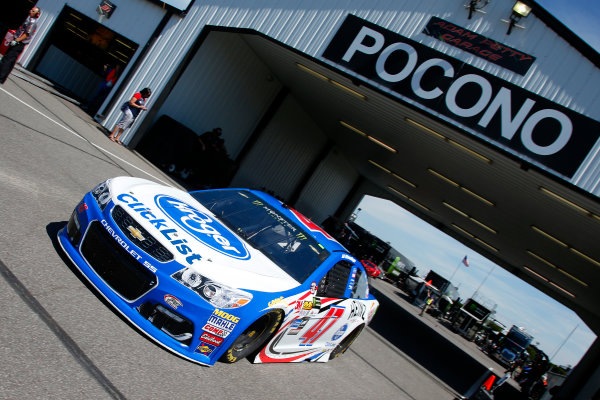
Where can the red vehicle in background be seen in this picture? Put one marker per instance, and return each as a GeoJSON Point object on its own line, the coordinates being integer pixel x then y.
{"type": "Point", "coordinates": [372, 269]}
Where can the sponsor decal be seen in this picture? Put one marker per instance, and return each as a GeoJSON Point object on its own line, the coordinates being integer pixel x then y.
{"type": "Point", "coordinates": [211, 339]}
{"type": "Point", "coordinates": [222, 314]}
{"type": "Point", "coordinates": [512, 118]}
{"type": "Point", "coordinates": [161, 225]}
{"type": "Point", "coordinates": [340, 332]}
{"type": "Point", "coordinates": [372, 312]}
{"type": "Point", "coordinates": [215, 330]}
{"type": "Point", "coordinates": [202, 227]}
{"type": "Point", "coordinates": [222, 320]}
{"type": "Point", "coordinates": [479, 45]}
{"type": "Point", "coordinates": [221, 323]}
{"type": "Point", "coordinates": [173, 301]}
{"type": "Point", "coordinates": [348, 257]}
{"type": "Point", "coordinates": [297, 325]}
{"type": "Point", "coordinates": [205, 348]}
{"type": "Point", "coordinates": [275, 301]}
{"type": "Point", "coordinates": [317, 303]}
{"type": "Point", "coordinates": [303, 305]}
{"type": "Point", "coordinates": [352, 278]}
{"type": "Point", "coordinates": [313, 288]}
{"type": "Point", "coordinates": [357, 310]}
{"type": "Point", "coordinates": [82, 207]}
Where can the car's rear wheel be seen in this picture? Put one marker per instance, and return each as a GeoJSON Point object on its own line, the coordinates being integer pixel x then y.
{"type": "Point", "coordinates": [253, 337]}
{"type": "Point", "coordinates": [345, 343]}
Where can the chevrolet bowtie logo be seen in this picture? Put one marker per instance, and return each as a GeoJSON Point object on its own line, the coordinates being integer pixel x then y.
{"type": "Point", "coordinates": [136, 233]}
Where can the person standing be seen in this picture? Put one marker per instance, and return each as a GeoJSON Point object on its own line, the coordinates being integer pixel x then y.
{"type": "Point", "coordinates": [110, 76]}
{"type": "Point", "coordinates": [131, 109]}
{"type": "Point", "coordinates": [22, 37]}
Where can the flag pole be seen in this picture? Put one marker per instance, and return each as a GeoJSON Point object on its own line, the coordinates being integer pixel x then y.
{"type": "Point", "coordinates": [482, 282]}
{"type": "Point", "coordinates": [563, 343]}
{"type": "Point", "coordinates": [456, 270]}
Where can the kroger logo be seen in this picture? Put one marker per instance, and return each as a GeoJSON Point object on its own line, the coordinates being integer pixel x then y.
{"type": "Point", "coordinates": [202, 227]}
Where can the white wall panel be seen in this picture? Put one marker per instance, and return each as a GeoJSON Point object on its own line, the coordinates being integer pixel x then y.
{"type": "Point", "coordinates": [225, 85]}
{"type": "Point", "coordinates": [327, 188]}
{"type": "Point", "coordinates": [292, 142]}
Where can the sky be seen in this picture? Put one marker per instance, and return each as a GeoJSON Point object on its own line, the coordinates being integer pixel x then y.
{"type": "Point", "coordinates": [518, 303]}
{"type": "Point", "coordinates": [580, 16]}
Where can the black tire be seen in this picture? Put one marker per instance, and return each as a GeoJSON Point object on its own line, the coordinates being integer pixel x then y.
{"type": "Point", "coordinates": [345, 343]}
{"type": "Point", "coordinates": [253, 337]}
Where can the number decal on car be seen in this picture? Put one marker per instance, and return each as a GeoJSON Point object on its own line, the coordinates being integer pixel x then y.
{"type": "Point", "coordinates": [317, 330]}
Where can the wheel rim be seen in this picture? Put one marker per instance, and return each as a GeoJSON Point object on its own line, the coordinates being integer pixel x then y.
{"type": "Point", "coordinates": [252, 334]}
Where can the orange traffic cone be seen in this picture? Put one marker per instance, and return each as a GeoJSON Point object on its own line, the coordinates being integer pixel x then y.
{"type": "Point", "coordinates": [489, 382]}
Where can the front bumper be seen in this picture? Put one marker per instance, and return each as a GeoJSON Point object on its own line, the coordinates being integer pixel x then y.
{"type": "Point", "coordinates": [138, 285]}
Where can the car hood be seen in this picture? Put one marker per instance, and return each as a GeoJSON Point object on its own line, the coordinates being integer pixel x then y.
{"type": "Point", "coordinates": [197, 239]}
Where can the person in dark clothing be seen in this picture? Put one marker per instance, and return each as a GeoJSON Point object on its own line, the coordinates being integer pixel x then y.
{"type": "Point", "coordinates": [110, 76]}
{"type": "Point", "coordinates": [22, 37]}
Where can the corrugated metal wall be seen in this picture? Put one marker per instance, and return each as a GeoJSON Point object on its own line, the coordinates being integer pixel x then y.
{"type": "Point", "coordinates": [292, 141]}
{"type": "Point", "coordinates": [560, 72]}
{"type": "Point", "coordinates": [327, 188]}
{"type": "Point", "coordinates": [225, 85]}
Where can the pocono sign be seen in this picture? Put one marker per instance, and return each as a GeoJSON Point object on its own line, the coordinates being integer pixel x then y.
{"type": "Point", "coordinates": [517, 120]}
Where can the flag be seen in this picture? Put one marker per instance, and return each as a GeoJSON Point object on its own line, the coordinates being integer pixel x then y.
{"type": "Point", "coordinates": [465, 261]}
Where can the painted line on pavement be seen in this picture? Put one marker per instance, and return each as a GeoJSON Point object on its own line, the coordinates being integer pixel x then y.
{"type": "Point", "coordinates": [102, 149]}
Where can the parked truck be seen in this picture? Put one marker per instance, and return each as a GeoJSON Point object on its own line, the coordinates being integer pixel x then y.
{"type": "Point", "coordinates": [513, 345]}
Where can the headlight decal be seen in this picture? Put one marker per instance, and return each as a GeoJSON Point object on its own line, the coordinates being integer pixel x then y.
{"type": "Point", "coordinates": [217, 294]}
{"type": "Point", "coordinates": [102, 194]}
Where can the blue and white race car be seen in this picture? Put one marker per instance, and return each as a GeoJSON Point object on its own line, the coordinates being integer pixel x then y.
{"type": "Point", "coordinates": [219, 274]}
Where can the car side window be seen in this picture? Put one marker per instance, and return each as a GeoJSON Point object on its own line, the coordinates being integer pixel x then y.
{"type": "Point", "coordinates": [360, 290]}
{"type": "Point", "coordinates": [334, 283]}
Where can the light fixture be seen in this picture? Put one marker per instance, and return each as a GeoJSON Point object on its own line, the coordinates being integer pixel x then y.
{"type": "Point", "coordinates": [395, 175]}
{"type": "Point", "coordinates": [380, 143]}
{"type": "Point", "coordinates": [568, 203]}
{"type": "Point", "coordinates": [467, 233]}
{"type": "Point", "coordinates": [371, 138]}
{"type": "Point", "coordinates": [520, 10]}
{"type": "Point", "coordinates": [557, 268]}
{"type": "Point", "coordinates": [458, 185]}
{"type": "Point", "coordinates": [470, 218]}
{"type": "Point", "coordinates": [549, 236]}
{"type": "Point", "coordinates": [448, 140]}
{"type": "Point", "coordinates": [543, 278]}
{"type": "Point", "coordinates": [335, 83]}
{"type": "Point", "coordinates": [565, 291]}
{"type": "Point", "coordinates": [399, 193]}
{"type": "Point", "coordinates": [476, 6]}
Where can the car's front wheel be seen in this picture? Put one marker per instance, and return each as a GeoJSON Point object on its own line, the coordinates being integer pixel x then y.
{"type": "Point", "coordinates": [253, 337]}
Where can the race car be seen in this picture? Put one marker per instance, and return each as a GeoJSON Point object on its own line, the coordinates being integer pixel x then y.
{"type": "Point", "coordinates": [371, 268]}
{"type": "Point", "coordinates": [220, 274]}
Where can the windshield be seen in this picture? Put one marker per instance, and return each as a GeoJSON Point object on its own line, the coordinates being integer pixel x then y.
{"type": "Point", "coordinates": [519, 339]}
{"type": "Point", "coordinates": [266, 229]}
